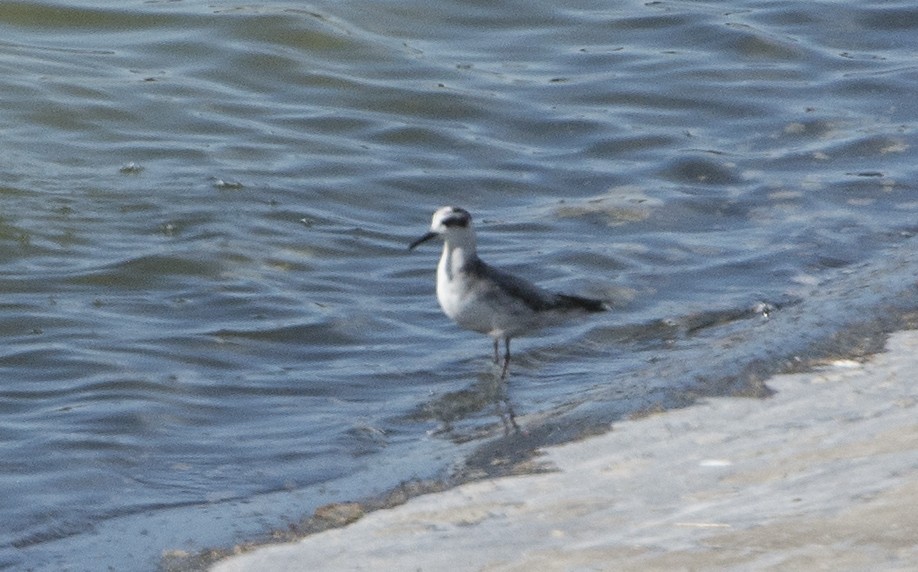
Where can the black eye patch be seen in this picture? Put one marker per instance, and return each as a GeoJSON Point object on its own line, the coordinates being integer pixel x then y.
{"type": "Point", "coordinates": [458, 218]}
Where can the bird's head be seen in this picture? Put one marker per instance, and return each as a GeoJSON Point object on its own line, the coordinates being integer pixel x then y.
{"type": "Point", "coordinates": [448, 223]}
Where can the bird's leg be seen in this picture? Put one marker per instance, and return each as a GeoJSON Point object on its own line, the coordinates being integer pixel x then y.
{"type": "Point", "coordinates": [496, 352]}
{"type": "Point", "coordinates": [503, 371]}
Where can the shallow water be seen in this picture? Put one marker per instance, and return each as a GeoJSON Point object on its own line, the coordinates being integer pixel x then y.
{"type": "Point", "coordinates": [211, 323]}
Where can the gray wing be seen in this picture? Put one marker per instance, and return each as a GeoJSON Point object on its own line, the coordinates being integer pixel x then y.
{"type": "Point", "coordinates": [537, 299]}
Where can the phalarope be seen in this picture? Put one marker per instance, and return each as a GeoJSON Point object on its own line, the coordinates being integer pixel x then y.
{"type": "Point", "coordinates": [485, 299]}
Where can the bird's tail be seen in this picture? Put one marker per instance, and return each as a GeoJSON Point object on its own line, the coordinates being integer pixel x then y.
{"type": "Point", "coordinates": [577, 302]}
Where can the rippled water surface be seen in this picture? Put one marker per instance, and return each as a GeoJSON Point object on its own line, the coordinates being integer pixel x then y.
{"type": "Point", "coordinates": [210, 321]}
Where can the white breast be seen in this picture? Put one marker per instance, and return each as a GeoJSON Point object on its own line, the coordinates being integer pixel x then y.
{"type": "Point", "coordinates": [458, 297]}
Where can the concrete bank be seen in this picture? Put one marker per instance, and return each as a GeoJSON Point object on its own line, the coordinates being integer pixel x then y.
{"type": "Point", "coordinates": [821, 476]}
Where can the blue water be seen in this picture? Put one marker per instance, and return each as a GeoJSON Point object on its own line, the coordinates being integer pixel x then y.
{"type": "Point", "coordinates": [210, 321]}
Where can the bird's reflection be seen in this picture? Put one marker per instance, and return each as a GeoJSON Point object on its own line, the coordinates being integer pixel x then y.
{"type": "Point", "coordinates": [455, 407]}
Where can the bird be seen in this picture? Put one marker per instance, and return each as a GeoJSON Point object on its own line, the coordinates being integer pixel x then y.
{"type": "Point", "coordinates": [485, 299]}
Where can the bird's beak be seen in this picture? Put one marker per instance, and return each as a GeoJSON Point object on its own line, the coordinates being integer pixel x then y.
{"type": "Point", "coordinates": [424, 238]}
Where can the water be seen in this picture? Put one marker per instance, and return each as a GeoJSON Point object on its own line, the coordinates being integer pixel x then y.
{"type": "Point", "coordinates": [210, 321]}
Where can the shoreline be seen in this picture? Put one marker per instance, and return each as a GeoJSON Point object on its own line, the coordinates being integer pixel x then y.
{"type": "Point", "coordinates": [822, 473]}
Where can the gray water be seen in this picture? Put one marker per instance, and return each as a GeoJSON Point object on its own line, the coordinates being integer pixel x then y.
{"type": "Point", "coordinates": [210, 321]}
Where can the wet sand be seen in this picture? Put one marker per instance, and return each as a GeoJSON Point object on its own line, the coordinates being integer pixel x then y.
{"type": "Point", "coordinates": [821, 476]}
